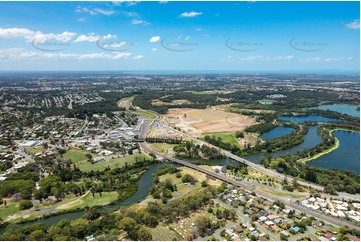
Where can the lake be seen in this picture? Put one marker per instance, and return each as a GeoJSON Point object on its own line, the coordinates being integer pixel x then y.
{"type": "Point", "coordinates": [311, 139]}
{"type": "Point", "coordinates": [308, 118]}
{"type": "Point", "coordinates": [341, 108]}
{"type": "Point", "coordinates": [276, 133]}
{"type": "Point", "coordinates": [346, 156]}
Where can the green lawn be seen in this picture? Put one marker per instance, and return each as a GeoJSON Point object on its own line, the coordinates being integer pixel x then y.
{"type": "Point", "coordinates": [161, 147]}
{"type": "Point", "coordinates": [10, 209]}
{"type": "Point", "coordinates": [35, 149]}
{"type": "Point", "coordinates": [226, 137]}
{"type": "Point", "coordinates": [86, 166]}
{"type": "Point", "coordinates": [147, 114]}
{"type": "Point", "coordinates": [75, 155]}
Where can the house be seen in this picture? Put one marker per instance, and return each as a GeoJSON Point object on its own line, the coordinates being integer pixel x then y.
{"type": "Point", "coordinates": [275, 228]}
{"type": "Point", "coordinates": [238, 229]}
{"type": "Point", "coordinates": [272, 216]}
{"type": "Point", "coordinates": [251, 228]}
{"type": "Point", "coordinates": [248, 211]}
{"type": "Point", "coordinates": [285, 233]}
{"type": "Point", "coordinates": [328, 235]}
{"type": "Point", "coordinates": [262, 219]}
{"type": "Point", "coordinates": [255, 234]}
{"type": "Point", "coordinates": [254, 209]}
{"type": "Point", "coordinates": [263, 213]}
{"type": "Point", "coordinates": [269, 223]}
{"type": "Point", "coordinates": [278, 220]}
{"type": "Point", "coordinates": [236, 239]}
{"type": "Point", "coordinates": [296, 229]}
{"type": "Point", "coordinates": [286, 211]}
{"type": "Point", "coordinates": [316, 223]}
{"type": "Point", "coordinates": [352, 237]}
{"type": "Point", "coordinates": [296, 215]}
{"type": "Point", "coordinates": [267, 203]}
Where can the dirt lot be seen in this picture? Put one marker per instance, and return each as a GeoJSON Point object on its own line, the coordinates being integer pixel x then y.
{"type": "Point", "coordinates": [195, 122]}
{"type": "Point", "coordinates": [158, 102]}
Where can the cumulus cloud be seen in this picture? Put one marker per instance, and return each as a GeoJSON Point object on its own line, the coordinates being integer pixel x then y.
{"type": "Point", "coordinates": [93, 37]}
{"type": "Point", "coordinates": [354, 24]}
{"type": "Point", "coordinates": [138, 57]}
{"type": "Point", "coordinates": [37, 36]}
{"type": "Point", "coordinates": [154, 39]}
{"type": "Point", "coordinates": [190, 14]}
{"type": "Point", "coordinates": [125, 3]}
{"type": "Point", "coordinates": [154, 49]}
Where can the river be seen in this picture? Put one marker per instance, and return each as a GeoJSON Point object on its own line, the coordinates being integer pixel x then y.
{"type": "Point", "coordinates": [277, 132]}
{"type": "Point", "coordinates": [144, 185]}
{"type": "Point", "coordinates": [341, 108]}
{"type": "Point", "coordinates": [308, 118]}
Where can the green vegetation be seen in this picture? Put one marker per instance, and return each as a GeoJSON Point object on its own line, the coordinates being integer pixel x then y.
{"type": "Point", "coordinates": [147, 114]}
{"type": "Point", "coordinates": [226, 137]}
{"type": "Point", "coordinates": [75, 155]}
{"type": "Point", "coordinates": [161, 147]}
{"type": "Point", "coordinates": [190, 150]}
{"type": "Point", "coordinates": [86, 166]}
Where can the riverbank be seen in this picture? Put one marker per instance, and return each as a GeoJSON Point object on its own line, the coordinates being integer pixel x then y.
{"type": "Point", "coordinates": [334, 147]}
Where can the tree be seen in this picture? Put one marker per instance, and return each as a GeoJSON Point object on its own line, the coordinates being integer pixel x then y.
{"type": "Point", "coordinates": [143, 234]}
{"type": "Point", "coordinates": [89, 157]}
{"type": "Point", "coordinates": [37, 235]}
{"type": "Point", "coordinates": [25, 204]}
{"type": "Point", "coordinates": [203, 224]}
{"type": "Point", "coordinates": [204, 184]}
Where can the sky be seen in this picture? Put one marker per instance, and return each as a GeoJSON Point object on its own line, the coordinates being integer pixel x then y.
{"type": "Point", "coordinates": [235, 36]}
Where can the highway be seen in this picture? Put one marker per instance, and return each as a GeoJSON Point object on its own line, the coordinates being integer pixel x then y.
{"type": "Point", "coordinates": [332, 220]}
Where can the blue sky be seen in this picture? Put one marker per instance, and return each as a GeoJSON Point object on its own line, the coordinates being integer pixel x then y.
{"type": "Point", "coordinates": [237, 36]}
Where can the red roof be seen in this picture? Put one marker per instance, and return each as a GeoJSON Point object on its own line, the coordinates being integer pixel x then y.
{"type": "Point", "coordinates": [328, 235]}
{"type": "Point", "coordinates": [238, 229]}
{"type": "Point", "coordinates": [254, 209]}
{"type": "Point", "coordinates": [352, 237]}
{"type": "Point", "coordinates": [236, 239]}
{"type": "Point", "coordinates": [275, 228]}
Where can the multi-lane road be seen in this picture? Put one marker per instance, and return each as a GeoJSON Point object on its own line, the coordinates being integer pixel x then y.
{"type": "Point", "coordinates": [145, 129]}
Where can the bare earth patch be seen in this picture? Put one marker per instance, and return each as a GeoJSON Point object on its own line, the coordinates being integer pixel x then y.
{"type": "Point", "coordinates": [157, 102]}
{"type": "Point", "coordinates": [195, 122]}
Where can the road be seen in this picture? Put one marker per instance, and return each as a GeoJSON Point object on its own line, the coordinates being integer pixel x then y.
{"type": "Point", "coordinates": [332, 220]}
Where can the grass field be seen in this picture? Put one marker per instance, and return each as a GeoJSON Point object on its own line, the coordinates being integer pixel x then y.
{"type": "Point", "coordinates": [86, 166]}
{"type": "Point", "coordinates": [35, 149]}
{"type": "Point", "coordinates": [147, 114]}
{"type": "Point", "coordinates": [10, 209]}
{"type": "Point", "coordinates": [161, 147]}
{"type": "Point", "coordinates": [87, 200]}
{"type": "Point", "coordinates": [226, 137]}
{"type": "Point", "coordinates": [75, 155]}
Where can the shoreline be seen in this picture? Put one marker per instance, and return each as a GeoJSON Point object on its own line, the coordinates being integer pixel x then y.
{"type": "Point", "coordinates": [334, 147]}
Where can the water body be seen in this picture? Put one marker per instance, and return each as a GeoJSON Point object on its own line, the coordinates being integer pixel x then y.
{"type": "Point", "coordinates": [345, 157]}
{"type": "Point", "coordinates": [341, 108]}
{"type": "Point", "coordinates": [311, 139]}
{"type": "Point", "coordinates": [276, 133]}
{"type": "Point", "coordinates": [144, 185]}
{"type": "Point", "coordinates": [308, 118]}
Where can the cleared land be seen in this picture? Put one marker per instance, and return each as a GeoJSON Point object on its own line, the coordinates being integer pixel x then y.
{"type": "Point", "coordinates": [196, 122]}
{"type": "Point", "coordinates": [226, 137]}
{"type": "Point", "coordinates": [161, 147]}
{"type": "Point", "coordinates": [157, 102]}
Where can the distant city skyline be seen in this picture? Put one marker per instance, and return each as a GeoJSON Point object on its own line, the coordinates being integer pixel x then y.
{"type": "Point", "coordinates": [213, 36]}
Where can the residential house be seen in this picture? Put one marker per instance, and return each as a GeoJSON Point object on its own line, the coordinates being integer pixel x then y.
{"type": "Point", "coordinates": [275, 228]}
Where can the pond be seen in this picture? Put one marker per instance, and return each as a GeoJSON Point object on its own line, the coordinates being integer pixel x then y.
{"type": "Point", "coordinates": [308, 118]}
{"type": "Point", "coordinates": [276, 133]}
{"type": "Point", "coordinates": [345, 157]}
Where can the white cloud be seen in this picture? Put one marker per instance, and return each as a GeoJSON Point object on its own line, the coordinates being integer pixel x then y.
{"type": "Point", "coordinates": [354, 24]}
{"type": "Point", "coordinates": [187, 38]}
{"type": "Point", "coordinates": [266, 58]}
{"type": "Point", "coordinates": [81, 19]}
{"type": "Point", "coordinates": [154, 49]}
{"type": "Point", "coordinates": [154, 39]}
{"type": "Point", "coordinates": [94, 11]}
{"type": "Point", "coordinates": [93, 37]}
{"type": "Point", "coordinates": [131, 14]}
{"type": "Point", "coordinates": [326, 59]}
{"type": "Point", "coordinates": [199, 29]}
{"type": "Point", "coordinates": [163, 2]}
{"type": "Point", "coordinates": [23, 54]}
{"type": "Point", "coordinates": [122, 55]}
{"type": "Point", "coordinates": [190, 14]}
{"type": "Point", "coordinates": [138, 57]}
{"type": "Point", "coordinates": [63, 37]}
{"type": "Point", "coordinates": [16, 33]}
{"type": "Point", "coordinates": [37, 36]}
{"type": "Point", "coordinates": [125, 3]}
{"type": "Point", "coordinates": [138, 21]}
